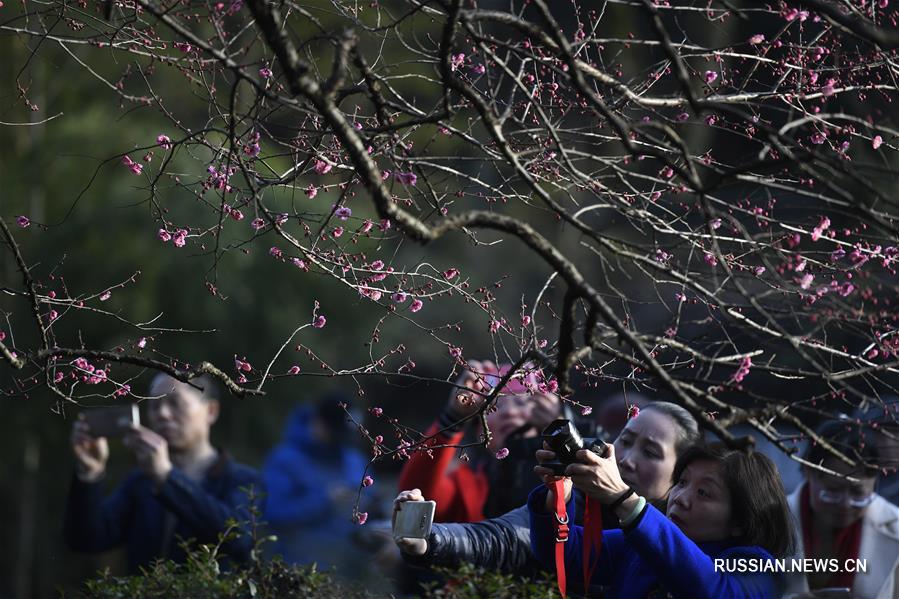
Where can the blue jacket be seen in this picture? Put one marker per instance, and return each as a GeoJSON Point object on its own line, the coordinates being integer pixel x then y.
{"type": "Point", "coordinates": [135, 515]}
{"type": "Point", "coordinates": [651, 555]}
{"type": "Point", "coordinates": [298, 473]}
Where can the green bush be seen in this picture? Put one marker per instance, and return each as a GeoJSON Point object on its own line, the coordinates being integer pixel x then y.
{"type": "Point", "coordinates": [204, 575]}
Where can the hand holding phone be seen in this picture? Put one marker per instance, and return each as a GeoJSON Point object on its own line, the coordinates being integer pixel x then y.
{"type": "Point", "coordinates": [412, 519]}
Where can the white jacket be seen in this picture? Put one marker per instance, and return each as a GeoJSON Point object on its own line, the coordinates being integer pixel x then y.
{"type": "Point", "coordinates": [879, 546]}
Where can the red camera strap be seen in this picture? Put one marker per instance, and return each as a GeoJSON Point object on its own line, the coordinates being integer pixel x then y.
{"type": "Point", "coordinates": [592, 535]}
{"type": "Point", "coordinates": [558, 491]}
{"type": "Point", "coordinates": [592, 538]}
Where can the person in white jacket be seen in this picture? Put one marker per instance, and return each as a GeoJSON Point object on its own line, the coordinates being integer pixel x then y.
{"type": "Point", "coordinates": [845, 523]}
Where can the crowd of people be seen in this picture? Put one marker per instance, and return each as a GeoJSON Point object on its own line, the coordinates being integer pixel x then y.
{"type": "Point", "coordinates": [658, 511]}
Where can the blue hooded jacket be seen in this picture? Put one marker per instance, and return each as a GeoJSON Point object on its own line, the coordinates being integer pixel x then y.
{"type": "Point", "coordinates": [298, 474]}
{"type": "Point", "coordinates": [653, 555]}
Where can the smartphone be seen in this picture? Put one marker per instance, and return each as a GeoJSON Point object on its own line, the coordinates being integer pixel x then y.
{"type": "Point", "coordinates": [414, 519]}
{"type": "Point", "coordinates": [112, 421]}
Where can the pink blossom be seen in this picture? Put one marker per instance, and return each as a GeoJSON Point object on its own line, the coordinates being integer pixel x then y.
{"type": "Point", "coordinates": [525, 320]}
{"type": "Point", "coordinates": [241, 365]}
{"type": "Point", "coordinates": [829, 87]}
{"type": "Point", "coordinates": [2, 335]}
{"type": "Point", "coordinates": [376, 411]}
{"type": "Point", "coordinates": [586, 411]}
{"type": "Point", "coordinates": [384, 225]}
{"type": "Point", "coordinates": [183, 46]}
{"type": "Point", "coordinates": [123, 390]}
{"type": "Point", "coordinates": [758, 38]}
{"type": "Point", "coordinates": [368, 481]}
{"type": "Point", "coordinates": [846, 289]}
{"type": "Point", "coordinates": [450, 274]}
{"type": "Point", "coordinates": [179, 238]}
{"type": "Point", "coordinates": [806, 281]}
{"type": "Point", "coordinates": [409, 178]}
{"type": "Point", "coordinates": [416, 305]}
{"type": "Point", "coordinates": [399, 297]}
{"type": "Point", "coordinates": [135, 167]}
{"type": "Point", "coordinates": [142, 343]}
{"type": "Point", "coordinates": [667, 172]}
{"type": "Point", "coordinates": [236, 215]}
{"type": "Point", "coordinates": [311, 191]}
{"type": "Point", "coordinates": [57, 378]}
{"type": "Point", "coordinates": [105, 296]}
{"type": "Point", "coordinates": [342, 212]}
{"type": "Point", "coordinates": [53, 315]}
{"type": "Point", "coordinates": [743, 370]}
{"type": "Point", "coordinates": [710, 76]}
{"type": "Point", "coordinates": [502, 453]}
{"type": "Point", "coordinates": [298, 263]}
{"type": "Point", "coordinates": [361, 518]}
{"type": "Point", "coordinates": [337, 232]}
{"type": "Point", "coordinates": [710, 259]}
{"type": "Point", "coordinates": [265, 72]}
{"type": "Point", "coordinates": [294, 370]}
{"type": "Point", "coordinates": [822, 226]}
{"type": "Point", "coordinates": [321, 167]}
{"type": "Point", "coordinates": [164, 141]}
{"type": "Point", "coordinates": [494, 326]}
{"type": "Point", "coordinates": [257, 223]}
{"type": "Point", "coordinates": [23, 221]}
{"type": "Point", "coordinates": [275, 251]}
{"type": "Point", "coordinates": [320, 322]}
{"type": "Point", "coordinates": [632, 411]}
{"type": "Point", "coordinates": [479, 69]}
{"type": "Point", "coordinates": [759, 270]}
{"type": "Point", "coordinates": [456, 61]}
{"type": "Point", "coordinates": [366, 226]}
{"type": "Point", "coordinates": [876, 142]}
{"type": "Point", "coordinates": [163, 235]}
{"type": "Point", "coordinates": [837, 255]}
{"type": "Point", "coordinates": [715, 224]}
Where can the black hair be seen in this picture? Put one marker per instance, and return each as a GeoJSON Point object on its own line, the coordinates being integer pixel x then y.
{"type": "Point", "coordinates": [688, 433]}
{"type": "Point", "coordinates": [757, 499]}
{"type": "Point", "coordinates": [847, 437]}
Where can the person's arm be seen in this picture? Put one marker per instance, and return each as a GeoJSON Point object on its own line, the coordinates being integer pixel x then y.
{"type": "Point", "coordinates": [93, 524]}
{"type": "Point", "coordinates": [423, 472]}
{"type": "Point", "coordinates": [543, 542]}
{"type": "Point", "coordinates": [683, 568]}
{"type": "Point", "coordinates": [501, 543]}
{"type": "Point", "coordinates": [208, 516]}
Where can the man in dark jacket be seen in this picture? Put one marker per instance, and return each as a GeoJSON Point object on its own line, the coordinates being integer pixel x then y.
{"type": "Point", "coordinates": [183, 488]}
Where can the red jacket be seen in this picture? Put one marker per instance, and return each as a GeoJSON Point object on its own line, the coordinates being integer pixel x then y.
{"type": "Point", "coordinates": [460, 494]}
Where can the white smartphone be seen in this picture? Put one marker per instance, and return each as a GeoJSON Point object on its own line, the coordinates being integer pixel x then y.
{"type": "Point", "coordinates": [414, 519]}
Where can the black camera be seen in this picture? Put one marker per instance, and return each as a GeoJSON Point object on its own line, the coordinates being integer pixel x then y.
{"type": "Point", "coordinates": [564, 439]}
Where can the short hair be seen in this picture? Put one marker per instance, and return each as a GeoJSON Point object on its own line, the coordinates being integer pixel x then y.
{"type": "Point", "coordinates": [205, 384]}
{"type": "Point", "coordinates": [847, 437]}
{"type": "Point", "coordinates": [688, 433]}
{"type": "Point", "coordinates": [757, 499]}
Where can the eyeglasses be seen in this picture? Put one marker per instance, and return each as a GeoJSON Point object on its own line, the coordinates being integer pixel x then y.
{"type": "Point", "coordinates": [836, 497]}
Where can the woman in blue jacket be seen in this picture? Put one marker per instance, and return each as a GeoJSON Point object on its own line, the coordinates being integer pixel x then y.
{"type": "Point", "coordinates": [726, 509]}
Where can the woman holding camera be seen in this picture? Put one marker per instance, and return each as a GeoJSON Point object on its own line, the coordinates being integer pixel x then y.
{"type": "Point", "coordinates": [646, 451]}
{"type": "Point", "coordinates": [724, 505]}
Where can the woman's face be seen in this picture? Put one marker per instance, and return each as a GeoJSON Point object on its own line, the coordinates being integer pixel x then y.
{"type": "Point", "coordinates": [832, 497]}
{"type": "Point", "coordinates": [699, 503]}
{"type": "Point", "coordinates": [645, 452]}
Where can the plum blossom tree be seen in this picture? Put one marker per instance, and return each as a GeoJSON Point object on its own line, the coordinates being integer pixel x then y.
{"type": "Point", "coordinates": [700, 194]}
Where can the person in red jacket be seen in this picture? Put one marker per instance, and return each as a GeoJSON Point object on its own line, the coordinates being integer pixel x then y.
{"type": "Point", "coordinates": [461, 486]}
